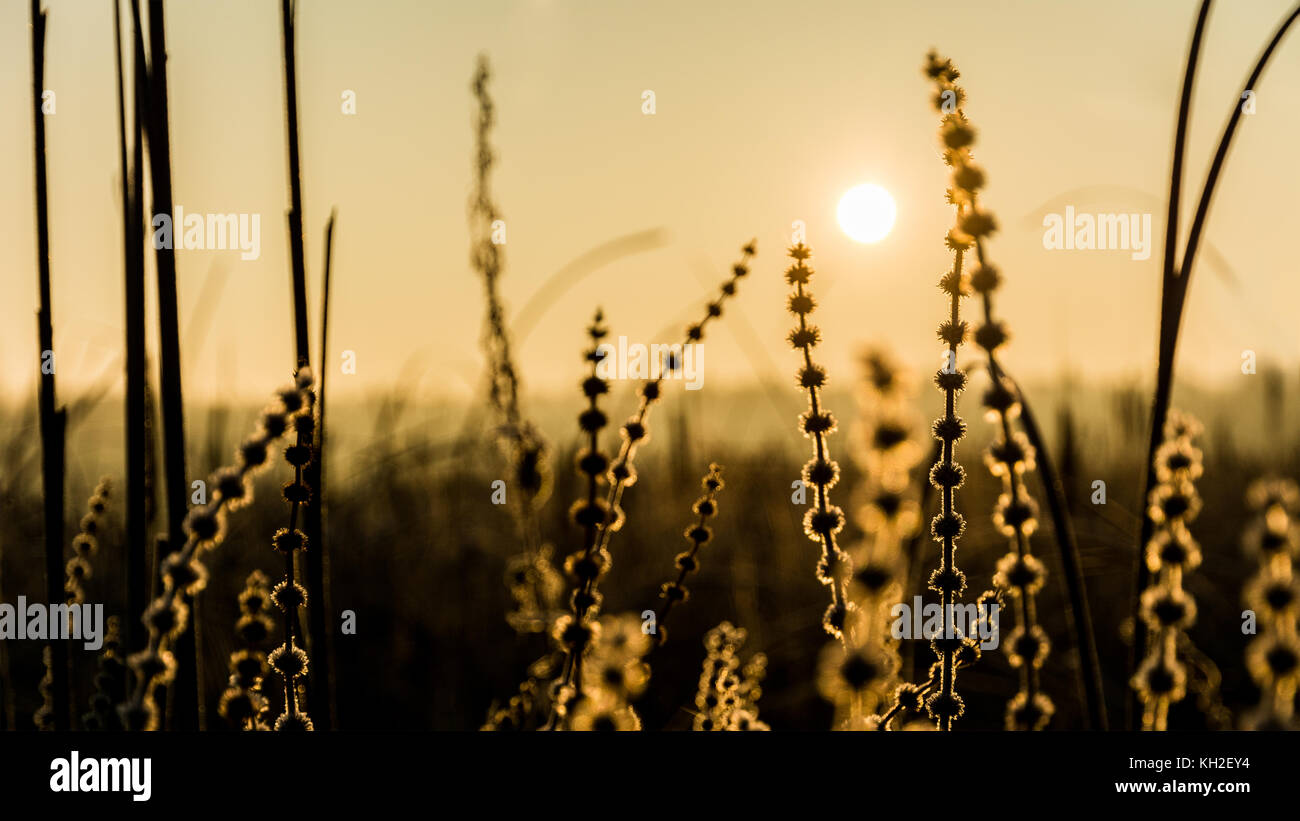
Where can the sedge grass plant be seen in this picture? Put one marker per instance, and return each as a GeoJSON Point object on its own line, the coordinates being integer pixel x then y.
{"type": "Point", "coordinates": [1273, 596]}
{"type": "Point", "coordinates": [183, 573]}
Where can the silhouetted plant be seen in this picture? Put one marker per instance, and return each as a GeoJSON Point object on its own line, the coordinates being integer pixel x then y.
{"type": "Point", "coordinates": [1167, 609]}
{"type": "Point", "coordinates": [688, 561]}
{"type": "Point", "coordinates": [243, 702]}
{"type": "Point", "coordinates": [289, 659]}
{"type": "Point", "coordinates": [183, 572]}
{"type": "Point", "coordinates": [1273, 595]}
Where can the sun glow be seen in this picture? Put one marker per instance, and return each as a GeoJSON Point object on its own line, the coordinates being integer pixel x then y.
{"type": "Point", "coordinates": [866, 213]}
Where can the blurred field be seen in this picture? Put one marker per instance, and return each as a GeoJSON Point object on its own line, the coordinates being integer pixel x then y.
{"type": "Point", "coordinates": [419, 552]}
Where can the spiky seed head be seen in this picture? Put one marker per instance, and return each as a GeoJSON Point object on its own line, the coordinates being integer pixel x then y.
{"type": "Point", "coordinates": [234, 487]}
{"type": "Point", "coordinates": [592, 462]}
{"type": "Point", "coordinates": [296, 492]}
{"type": "Point", "coordinates": [672, 591]}
{"type": "Point", "coordinates": [286, 541]}
{"type": "Point", "coordinates": [992, 335]}
{"type": "Point", "coordinates": [954, 380]}
{"type": "Point", "coordinates": [821, 472]}
{"type": "Point", "coordinates": [84, 545]}
{"type": "Point", "coordinates": [1016, 514]}
{"type": "Point", "coordinates": [588, 513]}
{"type": "Point", "coordinates": [297, 722]}
{"type": "Point", "coordinates": [798, 274]}
{"type": "Point", "coordinates": [985, 279]}
{"type": "Point", "coordinates": [947, 526]}
{"type": "Point", "coordinates": [1028, 646]}
{"type": "Point", "coordinates": [156, 666]}
{"type": "Point", "coordinates": [949, 428]}
{"type": "Point", "coordinates": [1168, 608]}
{"type": "Point", "coordinates": [584, 567]}
{"type": "Point", "coordinates": [289, 596]}
{"type": "Point", "coordinates": [185, 574]}
{"type": "Point", "coordinates": [940, 706]}
{"type": "Point", "coordinates": [953, 334]}
{"type": "Point", "coordinates": [968, 177]}
{"type": "Point", "coordinates": [823, 524]}
{"type": "Point", "coordinates": [947, 476]}
{"type": "Point", "coordinates": [253, 628]}
{"type": "Point", "coordinates": [955, 284]}
{"type": "Point", "coordinates": [1029, 714]}
{"type": "Point", "coordinates": [594, 386]}
{"type": "Point", "coordinates": [1016, 572]}
{"type": "Point", "coordinates": [801, 304]}
{"type": "Point", "coordinates": [806, 337]}
{"type": "Point", "coordinates": [204, 524]}
{"type": "Point", "coordinates": [1161, 678]}
{"type": "Point", "coordinates": [289, 661]}
{"type": "Point", "coordinates": [298, 455]}
{"type": "Point", "coordinates": [592, 420]}
{"type": "Point", "coordinates": [304, 424]}
{"type": "Point", "coordinates": [948, 580]}
{"type": "Point", "coordinates": [253, 452]}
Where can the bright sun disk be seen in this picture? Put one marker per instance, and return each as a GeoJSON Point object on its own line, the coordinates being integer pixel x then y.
{"type": "Point", "coordinates": [866, 213]}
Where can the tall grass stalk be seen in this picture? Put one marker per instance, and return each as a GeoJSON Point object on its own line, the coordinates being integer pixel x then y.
{"type": "Point", "coordinates": [1273, 594]}
{"type": "Point", "coordinates": [1176, 277]}
{"type": "Point", "coordinates": [688, 561]}
{"type": "Point", "coordinates": [183, 573]}
{"type": "Point", "coordinates": [575, 632]}
{"type": "Point", "coordinates": [290, 660]}
{"type": "Point", "coordinates": [1011, 456]}
{"type": "Point", "coordinates": [635, 431]}
{"type": "Point", "coordinates": [53, 420]}
{"type": "Point", "coordinates": [726, 698]}
{"type": "Point", "coordinates": [322, 696]}
{"type": "Point", "coordinates": [314, 561]}
{"type": "Point", "coordinates": [243, 703]}
{"type": "Point", "coordinates": [1166, 608]}
{"type": "Point", "coordinates": [525, 450]}
{"type": "Point", "coordinates": [186, 705]}
{"type": "Point", "coordinates": [110, 681]}
{"type": "Point", "coordinates": [886, 510]}
{"type": "Point", "coordinates": [823, 520]}
{"type": "Point", "coordinates": [1015, 455]}
{"type": "Point", "coordinates": [86, 544]}
{"type": "Point", "coordinates": [137, 552]}
{"type": "Point", "coordinates": [944, 705]}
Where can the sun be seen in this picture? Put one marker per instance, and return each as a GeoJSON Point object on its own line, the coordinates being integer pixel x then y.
{"type": "Point", "coordinates": [866, 213]}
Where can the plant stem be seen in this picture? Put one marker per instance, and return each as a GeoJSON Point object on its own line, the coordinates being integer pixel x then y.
{"type": "Point", "coordinates": [52, 419]}
{"type": "Point", "coordinates": [321, 693]}
{"type": "Point", "coordinates": [1173, 296]}
{"type": "Point", "coordinates": [1079, 616]}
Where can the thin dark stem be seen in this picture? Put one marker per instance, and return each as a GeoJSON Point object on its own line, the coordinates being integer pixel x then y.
{"type": "Point", "coordinates": [912, 556]}
{"type": "Point", "coordinates": [321, 676]}
{"type": "Point", "coordinates": [1173, 298]}
{"type": "Point", "coordinates": [297, 255]}
{"type": "Point", "coordinates": [52, 419]}
{"type": "Point", "coordinates": [1079, 615]}
{"type": "Point", "coordinates": [186, 705]}
{"type": "Point", "coordinates": [137, 551]}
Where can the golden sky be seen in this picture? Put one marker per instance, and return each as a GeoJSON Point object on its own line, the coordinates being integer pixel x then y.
{"type": "Point", "coordinates": [766, 113]}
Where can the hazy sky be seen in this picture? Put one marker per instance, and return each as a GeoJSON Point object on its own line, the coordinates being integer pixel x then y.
{"type": "Point", "coordinates": [766, 113]}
